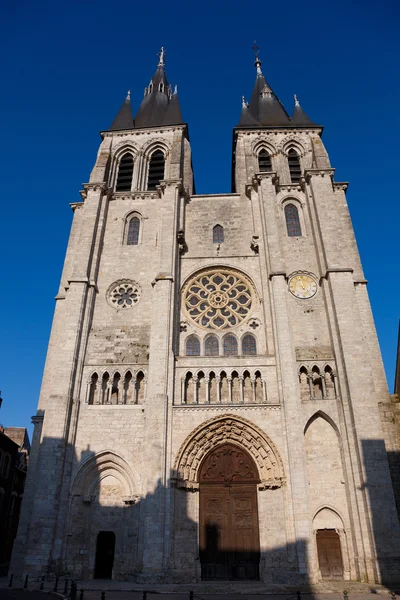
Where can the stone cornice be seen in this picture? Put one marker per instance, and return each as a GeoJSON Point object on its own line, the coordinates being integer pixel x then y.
{"type": "Point", "coordinates": [75, 205]}
{"type": "Point", "coordinates": [277, 274]}
{"type": "Point", "coordinates": [126, 132]}
{"type": "Point", "coordinates": [337, 270]}
{"type": "Point", "coordinates": [258, 177]}
{"type": "Point", "coordinates": [308, 173]}
{"type": "Point", "coordinates": [291, 187]}
{"type": "Point", "coordinates": [37, 419]}
{"type": "Point", "coordinates": [95, 186]}
{"type": "Point", "coordinates": [341, 185]}
{"type": "Point", "coordinates": [135, 195]}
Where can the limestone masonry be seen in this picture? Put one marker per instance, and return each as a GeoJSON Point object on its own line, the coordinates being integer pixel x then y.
{"type": "Point", "coordinates": [211, 400]}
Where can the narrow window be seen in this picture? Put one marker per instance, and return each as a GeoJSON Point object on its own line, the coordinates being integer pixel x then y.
{"type": "Point", "coordinates": [264, 161]}
{"type": "Point", "coordinates": [156, 170]}
{"type": "Point", "coordinates": [93, 389]}
{"type": "Point", "coordinates": [294, 166]}
{"type": "Point", "coordinates": [192, 346]}
{"type": "Point", "coordinates": [218, 234]}
{"type": "Point", "coordinates": [211, 346]}
{"type": "Point", "coordinates": [125, 172]}
{"type": "Point", "coordinates": [292, 220]}
{"type": "Point", "coordinates": [133, 232]}
{"type": "Point", "coordinates": [230, 346]}
{"type": "Point", "coordinates": [249, 345]}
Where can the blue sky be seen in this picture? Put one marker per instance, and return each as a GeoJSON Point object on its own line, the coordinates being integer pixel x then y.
{"type": "Point", "coordinates": [65, 69]}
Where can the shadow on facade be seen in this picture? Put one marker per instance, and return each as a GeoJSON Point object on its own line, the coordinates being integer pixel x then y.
{"type": "Point", "coordinates": [99, 527]}
{"type": "Point", "coordinates": [383, 491]}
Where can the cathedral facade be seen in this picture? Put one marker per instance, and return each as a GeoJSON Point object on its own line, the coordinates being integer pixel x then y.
{"type": "Point", "coordinates": [210, 401]}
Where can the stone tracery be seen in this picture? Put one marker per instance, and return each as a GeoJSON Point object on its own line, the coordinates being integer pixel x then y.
{"type": "Point", "coordinates": [218, 298]}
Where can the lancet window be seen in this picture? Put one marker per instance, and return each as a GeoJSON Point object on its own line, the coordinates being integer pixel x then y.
{"type": "Point", "coordinates": [249, 347]}
{"type": "Point", "coordinates": [125, 173]}
{"type": "Point", "coordinates": [264, 161]}
{"type": "Point", "coordinates": [192, 346]}
{"type": "Point", "coordinates": [132, 239]}
{"type": "Point", "coordinates": [294, 166]}
{"type": "Point", "coordinates": [211, 346]}
{"type": "Point", "coordinates": [292, 220]}
{"type": "Point", "coordinates": [156, 170]}
{"type": "Point", "coordinates": [218, 234]}
{"type": "Point", "coordinates": [230, 345]}
{"type": "Point", "coordinates": [116, 389]}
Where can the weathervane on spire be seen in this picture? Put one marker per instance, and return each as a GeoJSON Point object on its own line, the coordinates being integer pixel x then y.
{"type": "Point", "coordinates": [257, 62]}
{"type": "Point", "coordinates": [128, 95]}
{"type": "Point", "coordinates": [296, 100]}
{"type": "Point", "coordinates": [161, 56]}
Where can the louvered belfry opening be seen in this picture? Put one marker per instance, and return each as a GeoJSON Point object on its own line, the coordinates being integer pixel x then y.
{"type": "Point", "coordinates": [294, 166]}
{"type": "Point", "coordinates": [264, 161]}
{"type": "Point", "coordinates": [125, 173]}
{"type": "Point", "coordinates": [156, 170]}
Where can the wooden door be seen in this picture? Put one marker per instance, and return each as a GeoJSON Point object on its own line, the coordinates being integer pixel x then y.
{"type": "Point", "coordinates": [229, 534]}
{"type": "Point", "coordinates": [329, 554]}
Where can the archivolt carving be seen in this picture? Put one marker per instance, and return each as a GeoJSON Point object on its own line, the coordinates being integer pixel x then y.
{"type": "Point", "coordinates": [99, 466]}
{"type": "Point", "coordinates": [239, 431]}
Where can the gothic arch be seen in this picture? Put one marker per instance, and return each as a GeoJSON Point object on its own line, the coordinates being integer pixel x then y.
{"type": "Point", "coordinates": [295, 143]}
{"type": "Point", "coordinates": [263, 144]}
{"type": "Point", "coordinates": [99, 466]}
{"type": "Point", "coordinates": [123, 147]}
{"type": "Point", "coordinates": [329, 509]}
{"type": "Point", "coordinates": [156, 144]}
{"type": "Point", "coordinates": [236, 430]}
{"type": "Point", "coordinates": [320, 414]}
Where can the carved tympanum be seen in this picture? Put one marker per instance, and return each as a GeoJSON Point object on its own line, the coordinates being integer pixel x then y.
{"type": "Point", "coordinates": [228, 464]}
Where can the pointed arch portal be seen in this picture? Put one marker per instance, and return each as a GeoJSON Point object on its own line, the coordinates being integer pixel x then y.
{"type": "Point", "coordinates": [229, 531]}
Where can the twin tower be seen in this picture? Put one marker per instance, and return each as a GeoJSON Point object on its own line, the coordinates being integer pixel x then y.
{"type": "Point", "coordinates": [210, 406]}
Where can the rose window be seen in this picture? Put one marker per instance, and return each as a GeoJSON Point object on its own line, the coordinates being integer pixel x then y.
{"type": "Point", "coordinates": [123, 294]}
{"type": "Point", "coordinates": [218, 298]}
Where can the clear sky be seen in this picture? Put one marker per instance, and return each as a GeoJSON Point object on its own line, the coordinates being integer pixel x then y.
{"type": "Point", "coordinates": [66, 67]}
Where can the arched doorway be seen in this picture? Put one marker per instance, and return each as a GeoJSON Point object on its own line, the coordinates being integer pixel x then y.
{"type": "Point", "coordinates": [229, 534]}
{"type": "Point", "coordinates": [329, 554]}
{"type": "Point", "coordinates": [105, 549]}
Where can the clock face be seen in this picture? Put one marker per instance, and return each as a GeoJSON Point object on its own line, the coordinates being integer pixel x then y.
{"type": "Point", "coordinates": [302, 286]}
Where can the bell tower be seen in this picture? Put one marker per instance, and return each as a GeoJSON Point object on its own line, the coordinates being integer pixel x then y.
{"type": "Point", "coordinates": [111, 340]}
{"type": "Point", "coordinates": [325, 341]}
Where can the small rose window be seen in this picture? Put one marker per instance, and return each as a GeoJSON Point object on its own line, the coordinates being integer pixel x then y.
{"type": "Point", "coordinates": [123, 294]}
{"type": "Point", "coordinates": [218, 298]}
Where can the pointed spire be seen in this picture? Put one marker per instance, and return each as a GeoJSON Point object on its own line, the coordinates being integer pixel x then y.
{"type": "Point", "coordinates": [265, 108]}
{"type": "Point", "coordinates": [159, 106]}
{"type": "Point", "coordinates": [124, 119]}
{"type": "Point", "coordinates": [299, 117]}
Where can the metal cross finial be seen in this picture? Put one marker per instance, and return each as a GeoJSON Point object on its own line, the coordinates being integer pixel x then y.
{"type": "Point", "coordinates": [255, 49]}
{"type": "Point", "coordinates": [257, 62]}
{"type": "Point", "coordinates": [161, 56]}
{"type": "Point", "coordinates": [296, 100]}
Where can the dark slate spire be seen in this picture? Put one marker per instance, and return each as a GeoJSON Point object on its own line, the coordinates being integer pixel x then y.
{"type": "Point", "coordinates": [264, 108]}
{"type": "Point", "coordinates": [299, 117]}
{"type": "Point", "coordinates": [159, 106]}
{"type": "Point", "coordinates": [123, 120]}
{"type": "Point", "coordinates": [246, 117]}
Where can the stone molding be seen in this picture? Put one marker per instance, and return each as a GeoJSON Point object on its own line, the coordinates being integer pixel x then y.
{"type": "Point", "coordinates": [95, 468]}
{"type": "Point", "coordinates": [233, 429]}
